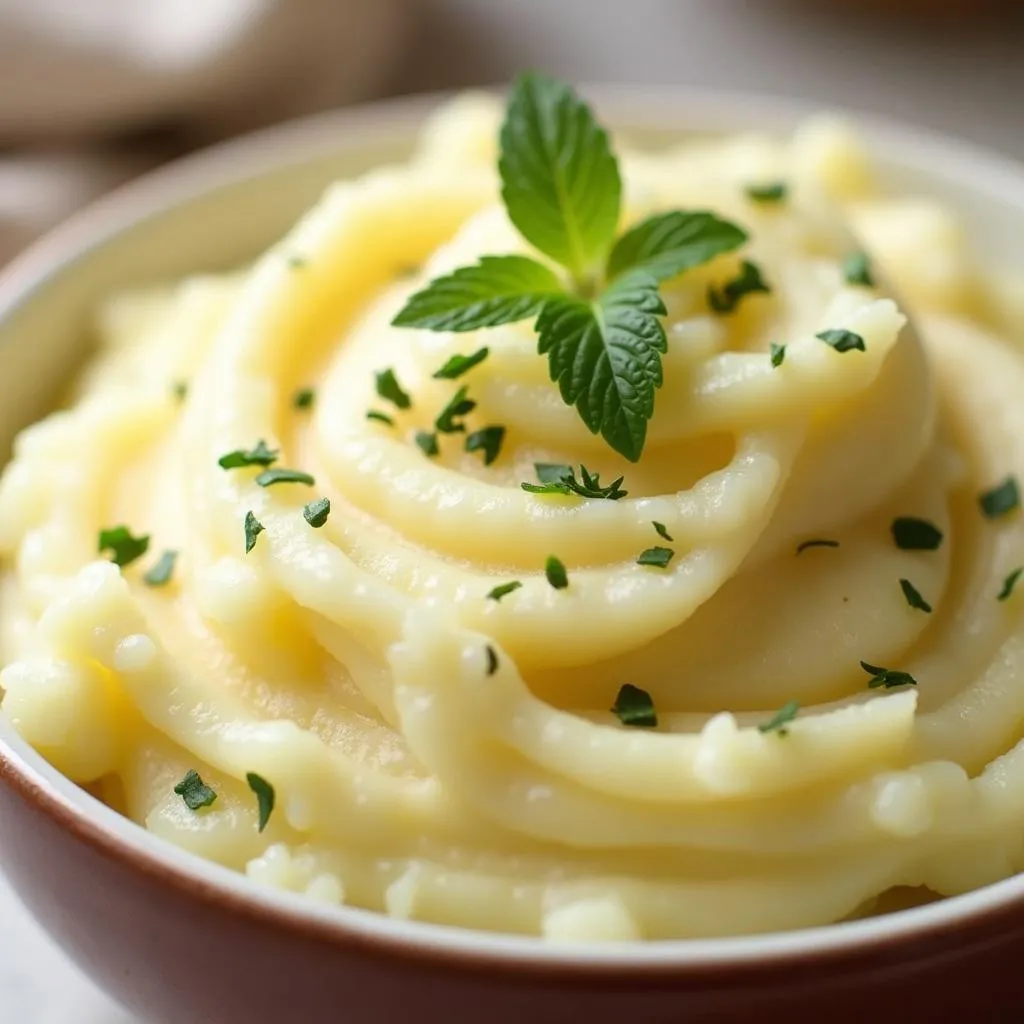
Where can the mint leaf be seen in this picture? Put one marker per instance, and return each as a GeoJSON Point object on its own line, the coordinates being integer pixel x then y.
{"type": "Point", "coordinates": [123, 546]}
{"type": "Point", "coordinates": [265, 797]}
{"type": "Point", "coordinates": [669, 243]}
{"type": "Point", "coordinates": [253, 528]}
{"type": "Point", "coordinates": [427, 443]}
{"type": "Point", "coordinates": [390, 390]}
{"type": "Point", "coordinates": [913, 596]}
{"type": "Point", "coordinates": [498, 290]}
{"type": "Point", "coordinates": [488, 440]}
{"type": "Point", "coordinates": [1001, 499]}
{"type": "Point", "coordinates": [781, 718]}
{"type": "Point", "coordinates": [556, 479]}
{"type": "Point", "coordinates": [316, 512]}
{"type": "Point", "coordinates": [656, 556]}
{"type": "Point", "coordinates": [1009, 583]}
{"type": "Point", "coordinates": [857, 270]}
{"type": "Point", "coordinates": [746, 282]}
{"type": "Point", "coordinates": [261, 455]}
{"type": "Point", "coordinates": [605, 357]}
{"type": "Point", "coordinates": [449, 419]}
{"type": "Point", "coordinates": [269, 477]}
{"type": "Point", "coordinates": [634, 706]}
{"type": "Point", "coordinates": [772, 192]}
{"type": "Point", "coordinates": [455, 366]}
{"type": "Point", "coordinates": [503, 589]}
{"type": "Point", "coordinates": [160, 574]}
{"type": "Point", "coordinates": [887, 678]}
{"type": "Point", "coordinates": [555, 572]}
{"type": "Point", "coordinates": [196, 793]}
{"type": "Point", "coordinates": [560, 180]}
{"type": "Point", "coordinates": [842, 340]}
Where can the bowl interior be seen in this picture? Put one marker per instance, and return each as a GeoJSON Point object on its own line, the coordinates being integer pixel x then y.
{"type": "Point", "coordinates": [220, 208]}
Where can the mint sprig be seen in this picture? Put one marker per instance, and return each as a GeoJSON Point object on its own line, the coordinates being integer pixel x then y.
{"type": "Point", "coordinates": [598, 317]}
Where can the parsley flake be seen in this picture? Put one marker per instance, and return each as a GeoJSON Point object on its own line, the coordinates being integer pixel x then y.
{"type": "Point", "coordinates": [656, 556]}
{"type": "Point", "coordinates": [160, 574]}
{"type": "Point", "coordinates": [887, 677]}
{"type": "Point", "coordinates": [634, 707]}
{"type": "Point", "coordinates": [426, 441]}
{"type": "Point", "coordinates": [380, 417]}
{"type": "Point", "coordinates": [303, 398]}
{"type": "Point", "coordinates": [505, 588]}
{"type": "Point", "coordinates": [390, 390]}
{"type": "Point", "coordinates": [778, 355]}
{"type": "Point", "coordinates": [747, 282]}
{"type": "Point", "coordinates": [816, 543]}
{"type": "Point", "coordinates": [316, 512]}
{"type": "Point", "coordinates": [457, 365]}
{"type": "Point", "coordinates": [842, 340]}
{"type": "Point", "coordinates": [124, 548]}
{"type": "Point", "coordinates": [448, 419]}
{"type": "Point", "coordinates": [488, 440]}
{"type": "Point", "coordinates": [913, 596]}
{"type": "Point", "coordinates": [781, 718]}
{"type": "Point", "coordinates": [280, 475]}
{"type": "Point", "coordinates": [857, 270]}
{"type": "Point", "coordinates": [194, 791]}
{"type": "Point", "coordinates": [771, 192]}
{"type": "Point", "coordinates": [492, 660]}
{"type": "Point", "coordinates": [1001, 500]}
{"type": "Point", "coordinates": [253, 528]}
{"type": "Point", "coordinates": [261, 455]}
{"type": "Point", "coordinates": [264, 796]}
{"type": "Point", "coordinates": [662, 531]}
{"type": "Point", "coordinates": [913, 534]}
{"type": "Point", "coordinates": [558, 479]}
{"type": "Point", "coordinates": [1009, 583]}
{"type": "Point", "coordinates": [555, 572]}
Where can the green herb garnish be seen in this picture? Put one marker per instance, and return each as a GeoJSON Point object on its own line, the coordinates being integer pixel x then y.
{"type": "Point", "coordinates": [264, 796]}
{"type": "Point", "coordinates": [913, 534]}
{"type": "Point", "coordinates": [488, 440]}
{"type": "Point", "coordinates": [1009, 583]}
{"type": "Point", "coordinates": [426, 441]}
{"type": "Point", "coordinates": [600, 329]}
{"type": "Point", "coordinates": [913, 596]}
{"type": "Point", "coordinates": [781, 718]}
{"type": "Point", "coordinates": [857, 270]}
{"type": "Point", "coordinates": [492, 660]}
{"type": "Point", "coordinates": [380, 417]}
{"type": "Point", "coordinates": [194, 791]}
{"type": "Point", "coordinates": [316, 512]}
{"type": "Point", "coordinates": [555, 572]}
{"type": "Point", "coordinates": [280, 475]}
{"type": "Point", "coordinates": [778, 355]}
{"type": "Point", "coordinates": [160, 574]}
{"type": "Point", "coordinates": [773, 192]}
{"type": "Point", "coordinates": [816, 543]}
{"type": "Point", "coordinates": [1001, 500]}
{"type": "Point", "coordinates": [124, 548]}
{"type": "Point", "coordinates": [661, 531]}
{"type": "Point", "coordinates": [558, 479]}
{"type": "Point", "coordinates": [746, 282]}
{"type": "Point", "coordinates": [180, 390]}
{"type": "Point", "coordinates": [297, 262]}
{"type": "Point", "coordinates": [457, 365]}
{"type": "Point", "coordinates": [887, 677]}
{"type": "Point", "coordinates": [449, 418]}
{"type": "Point", "coordinates": [253, 528]}
{"type": "Point", "coordinates": [261, 455]}
{"type": "Point", "coordinates": [303, 398]}
{"type": "Point", "coordinates": [842, 340]}
{"type": "Point", "coordinates": [505, 588]}
{"type": "Point", "coordinates": [656, 556]}
{"type": "Point", "coordinates": [634, 707]}
{"type": "Point", "coordinates": [390, 390]}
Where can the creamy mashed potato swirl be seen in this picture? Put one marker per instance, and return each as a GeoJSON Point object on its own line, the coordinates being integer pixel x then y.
{"type": "Point", "coordinates": [348, 665]}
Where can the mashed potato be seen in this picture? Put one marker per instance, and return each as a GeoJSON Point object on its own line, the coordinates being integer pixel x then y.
{"type": "Point", "coordinates": [440, 753]}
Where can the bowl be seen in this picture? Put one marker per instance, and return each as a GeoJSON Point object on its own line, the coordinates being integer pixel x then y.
{"type": "Point", "coordinates": [182, 941]}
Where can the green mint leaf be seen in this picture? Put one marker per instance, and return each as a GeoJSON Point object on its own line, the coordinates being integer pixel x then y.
{"type": "Point", "coordinates": [669, 243]}
{"type": "Point", "coordinates": [770, 192]}
{"type": "Point", "coordinates": [913, 596]}
{"type": "Point", "coordinates": [488, 440]}
{"type": "Point", "coordinates": [555, 572]}
{"type": "Point", "coordinates": [1009, 583]}
{"type": "Point", "coordinates": [380, 417]}
{"type": "Point", "coordinates": [887, 677]}
{"type": "Point", "coordinates": [842, 340]}
{"type": "Point", "coordinates": [817, 543]}
{"type": "Point", "coordinates": [303, 398]}
{"type": "Point", "coordinates": [1001, 500]}
{"type": "Point", "coordinates": [559, 178]}
{"type": "Point", "coordinates": [557, 479]}
{"type": "Point", "coordinates": [261, 455]}
{"type": "Point", "coordinates": [180, 390]}
{"type": "Point", "coordinates": [857, 270]}
{"type": "Point", "coordinates": [778, 355]}
{"type": "Point", "coordinates": [505, 588]}
{"type": "Point", "coordinates": [656, 556]}
{"type": "Point", "coordinates": [194, 791]}
{"type": "Point", "coordinates": [781, 718]}
{"type": "Point", "coordinates": [662, 532]}
{"type": "Point", "coordinates": [264, 796]}
{"type": "Point", "coordinates": [606, 358]}
{"type": "Point", "coordinates": [746, 282]}
{"type": "Point", "coordinates": [390, 390]}
{"type": "Point", "coordinates": [449, 418]}
{"type": "Point", "coordinates": [912, 534]}
{"type": "Point", "coordinates": [634, 707]}
{"type": "Point", "coordinates": [498, 290]}
{"type": "Point", "coordinates": [457, 365]}
{"type": "Point", "coordinates": [124, 548]}
{"type": "Point", "coordinates": [552, 472]}
{"type": "Point", "coordinates": [160, 574]}
{"type": "Point", "coordinates": [492, 660]}
{"type": "Point", "coordinates": [426, 441]}
{"type": "Point", "coordinates": [253, 528]}
{"type": "Point", "coordinates": [316, 512]}
{"type": "Point", "coordinates": [269, 477]}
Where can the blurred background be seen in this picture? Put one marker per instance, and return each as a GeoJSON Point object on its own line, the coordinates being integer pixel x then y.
{"type": "Point", "coordinates": [92, 92]}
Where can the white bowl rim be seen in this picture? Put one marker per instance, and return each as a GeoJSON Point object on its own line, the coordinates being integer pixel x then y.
{"type": "Point", "coordinates": [295, 142]}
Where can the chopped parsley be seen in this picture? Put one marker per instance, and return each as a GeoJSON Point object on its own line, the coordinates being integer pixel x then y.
{"type": "Point", "coordinates": [913, 534]}
{"type": "Point", "coordinates": [316, 512]}
{"type": "Point", "coordinates": [816, 543]}
{"type": "Point", "coordinates": [558, 479]}
{"type": "Point", "coordinates": [124, 548]}
{"type": "Point", "coordinates": [1009, 583]}
{"type": "Point", "coordinates": [778, 355]}
{"type": "Point", "coordinates": [426, 441]}
{"type": "Point", "coordinates": [857, 270]}
{"type": "Point", "coordinates": [280, 475]}
{"type": "Point", "coordinates": [488, 440]}
{"type": "Point", "coordinates": [555, 572]}
{"type": "Point", "coordinates": [913, 596]}
{"type": "Point", "coordinates": [380, 417]}
{"type": "Point", "coordinates": [261, 455]}
{"type": "Point", "coordinates": [842, 340]}
{"type": "Point", "coordinates": [505, 588]}
{"type": "Point", "coordinates": [457, 365]}
{"type": "Point", "coordinates": [253, 528]}
{"type": "Point", "coordinates": [746, 282]}
{"type": "Point", "coordinates": [770, 192]}
{"type": "Point", "coordinates": [303, 398]}
{"type": "Point", "coordinates": [659, 528]}
{"type": "Point", "coordinates": [449, 418]}
{"type": "Point", "coordinates": [160, 574]}
{"type": "Point", "coordinates": [1001, 500]}
{"type": "Point", "coordinates": [656, 556]}
{"type": "Point", "coordinates": [887, 677]}
{"type": "Point", "coordinates": [194, 791]}
{"type": "Point", "coordinates": [264, 796]}
{"type": "Point", "coordinates": [492, 660]}
{"type": "Point", "coordinates": [781, 718]}
{"type": "Point", "coordinates": [390, 390]}
{"type": "Point", "coordinates": [634, 707]}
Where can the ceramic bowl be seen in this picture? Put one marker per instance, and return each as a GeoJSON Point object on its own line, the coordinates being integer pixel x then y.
{"type": "Point", "coordinates": [182, 941]}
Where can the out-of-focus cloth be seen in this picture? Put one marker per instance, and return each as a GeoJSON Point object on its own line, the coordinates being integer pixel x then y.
{"type": "Point", "coordinates": [79, 77]}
